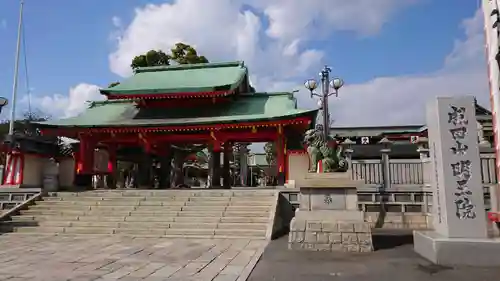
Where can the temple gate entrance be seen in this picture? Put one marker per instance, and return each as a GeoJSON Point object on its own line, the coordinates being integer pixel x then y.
{"type": "Point", "coordinates": [162, 130]}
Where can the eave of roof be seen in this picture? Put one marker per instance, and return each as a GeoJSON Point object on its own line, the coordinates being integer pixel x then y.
{"type": "Point", "coordinates": [199, 79]}
{"type": "Point", "coordinates": [246, 108]}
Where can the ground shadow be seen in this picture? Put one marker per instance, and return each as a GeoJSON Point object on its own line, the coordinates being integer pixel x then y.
{"type": "Point", "coordinates": [391, 238]}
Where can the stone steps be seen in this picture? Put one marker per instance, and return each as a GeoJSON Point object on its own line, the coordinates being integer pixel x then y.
{"type": "Point", "coordinates": [242, 203]}
{"type": "Point", "coordinates": [155, 219]}
{"type": "Point", "coordinates": [160, 197]}
{"type": "Point", "coordinates": [158, 232]}
{"type": "Point", "coordinates": [201, 214]}
{"type": "Point", "coordinates": [70, 207]}
{"type": "Point", "coordinates": [97, 236]}
{"type": "Point", "coordinates": [167, 213]}
{"type": "Point", "coordinates": [138, 224]}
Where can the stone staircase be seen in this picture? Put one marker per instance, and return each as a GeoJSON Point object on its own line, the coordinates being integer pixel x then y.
{"type": "Point", "coordinates": [146, 213]}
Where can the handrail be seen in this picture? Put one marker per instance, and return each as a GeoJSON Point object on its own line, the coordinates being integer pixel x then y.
{"type": "Point", "coordinates": [19, 207]}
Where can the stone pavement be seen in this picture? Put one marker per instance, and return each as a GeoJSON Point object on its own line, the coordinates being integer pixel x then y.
{"type": "Point", "coordinates": [397, 263]}
{"type": "Point", "coordinates": [54, 258]}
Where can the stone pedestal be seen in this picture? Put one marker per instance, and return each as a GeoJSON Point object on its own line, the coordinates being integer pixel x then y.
{"type": "Point", "coordinates": [328, 218]}
{"type": "Point", "coordinates": [460, 234]}
{"type": "Point", "coordinates": [447, 251]}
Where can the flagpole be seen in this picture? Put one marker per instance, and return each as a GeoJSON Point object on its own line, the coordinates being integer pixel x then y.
{"type": "Point", "coordinates": [16, 71]}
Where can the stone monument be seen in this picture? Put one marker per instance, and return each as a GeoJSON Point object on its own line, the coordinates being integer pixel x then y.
{"type": "Point", "coordinates": [328, 218]}
{"type": "Point", "coordinates": [460, 227]}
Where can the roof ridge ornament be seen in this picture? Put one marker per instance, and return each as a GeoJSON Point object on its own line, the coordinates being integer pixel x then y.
{"type": "Point", "coordinates": [189, 66]}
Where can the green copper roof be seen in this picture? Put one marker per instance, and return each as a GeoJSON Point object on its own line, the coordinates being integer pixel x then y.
{"type": "Point", "coordinates": [187, 78]}
{"type": "Point", "coordinates": [245, 107]}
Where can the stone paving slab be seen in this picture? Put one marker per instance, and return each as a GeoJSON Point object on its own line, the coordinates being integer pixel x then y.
{"type": "Point", "coordinates": [80, 258]}
{"type": "Point", "coordinates": [395, 263]}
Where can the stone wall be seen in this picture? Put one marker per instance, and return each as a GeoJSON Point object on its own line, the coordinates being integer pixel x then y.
{"type": "Point", "coordinates": [330, 236]}
{"type": "Point", "coordinates": [414, 221]}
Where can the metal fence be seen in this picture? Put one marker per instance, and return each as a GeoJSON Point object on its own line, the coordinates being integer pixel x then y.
{"type": "Point", "coordinates": [408, 172]}
{"type": "Point", "coordinates": [410, 185]}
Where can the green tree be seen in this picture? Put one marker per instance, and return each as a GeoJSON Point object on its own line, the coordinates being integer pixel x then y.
{"type": "Point", "coordinates": [24, 125]}
{"type": "Point", "coordinates": [111, 85]}
{"type": "Point", "coordinates": [180, 54]}
{"type": "Point", "coordinates": [151, 58]}
{"type": "Point", "coordinates": [185, 54]}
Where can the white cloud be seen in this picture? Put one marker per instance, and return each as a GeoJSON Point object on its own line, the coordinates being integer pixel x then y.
{"type": "Point", "coordinates": [234, 29]}
{"type": "Point", "coordinates": [117, 22]}
{"type": "Point", "coordinates": [63, 106]}
{"type": "Point", "coordinates": [292, 19]}
{"type": "Point", "coordinates": [402, 99]}
{"type": "Point", "coordinates": [278, 55]}
{"type": "Point", "coordinates": [279, 58]}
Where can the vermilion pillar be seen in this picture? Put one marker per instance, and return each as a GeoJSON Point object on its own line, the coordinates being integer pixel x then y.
{"type": "Point", "coordinates": [86, 156]}
{"type": "Point", "coordinates": [281, 157]}
{"type": "Point", "coordinates": [112, 164]}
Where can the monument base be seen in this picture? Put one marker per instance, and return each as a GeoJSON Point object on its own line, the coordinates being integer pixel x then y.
{"type": "Point", "coordinates": [328, 218]}
{"type": "Point", "coordinates": [308, 231]}
{"type": "Point", "coordinates": [457, 251]}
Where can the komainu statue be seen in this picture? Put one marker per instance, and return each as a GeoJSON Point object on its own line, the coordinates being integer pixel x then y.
{"type": "Point", "coordinates": [326, 150]}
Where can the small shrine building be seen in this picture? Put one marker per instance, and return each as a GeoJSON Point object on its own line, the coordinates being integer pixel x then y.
{"type": "Point", "coordinates": [159, 108]}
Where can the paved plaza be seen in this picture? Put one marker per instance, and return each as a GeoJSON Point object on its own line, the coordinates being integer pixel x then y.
{"type": "Point", "coordinates": [54, 258]}
{"type": "Point", "coordinates": [398, 262]}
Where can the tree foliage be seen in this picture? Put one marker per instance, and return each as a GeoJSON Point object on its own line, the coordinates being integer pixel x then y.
{"type": "Point", "coordinates": [151, 58]}
{"type": "Point", "coordinates": [111, 85]}
{"type": "Point", "coordinates": [24, 125]}
{"type": "Point", "coordinates": [180, 54]}
{"type": "Point", "coordinates": [186, 54]}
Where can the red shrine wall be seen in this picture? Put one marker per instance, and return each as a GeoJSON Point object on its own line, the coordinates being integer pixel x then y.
{"type": "Point", "coordinates": [29, 170]}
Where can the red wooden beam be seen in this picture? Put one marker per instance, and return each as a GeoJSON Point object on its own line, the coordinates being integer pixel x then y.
{"type": "Point", "coordinates": [205, 137]}
{"type": "Point", "coordinates": [180, 95]}
{"type": "Point", "coordinates": [179, 128]}
{"type": "Point", "coordinates": [187, 103]}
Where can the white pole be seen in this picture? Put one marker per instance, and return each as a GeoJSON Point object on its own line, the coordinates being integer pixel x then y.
{"type": "Point", "coordinates": [16, 71]}
{"type": "Point", "coordinates": [492, 49]}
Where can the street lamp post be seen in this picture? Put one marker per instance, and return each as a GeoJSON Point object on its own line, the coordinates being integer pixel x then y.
{"type": "Point", "coordinates": [336, 83]}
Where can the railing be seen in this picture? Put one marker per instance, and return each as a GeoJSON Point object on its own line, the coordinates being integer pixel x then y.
{"type": "Point", "coordinates": [409, 189]}
{"type": "Point", "coordinates": [12, 197]}
{"type": "Point", "coordinates": [408, 200]}
{"type": "Point", "coordinates": [407, 172]}
{"type": "Point", "coordinates": [488, 173]}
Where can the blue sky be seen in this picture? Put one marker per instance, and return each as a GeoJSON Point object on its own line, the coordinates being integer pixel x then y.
{"type": "Point", "coordinates": [70, 43]}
